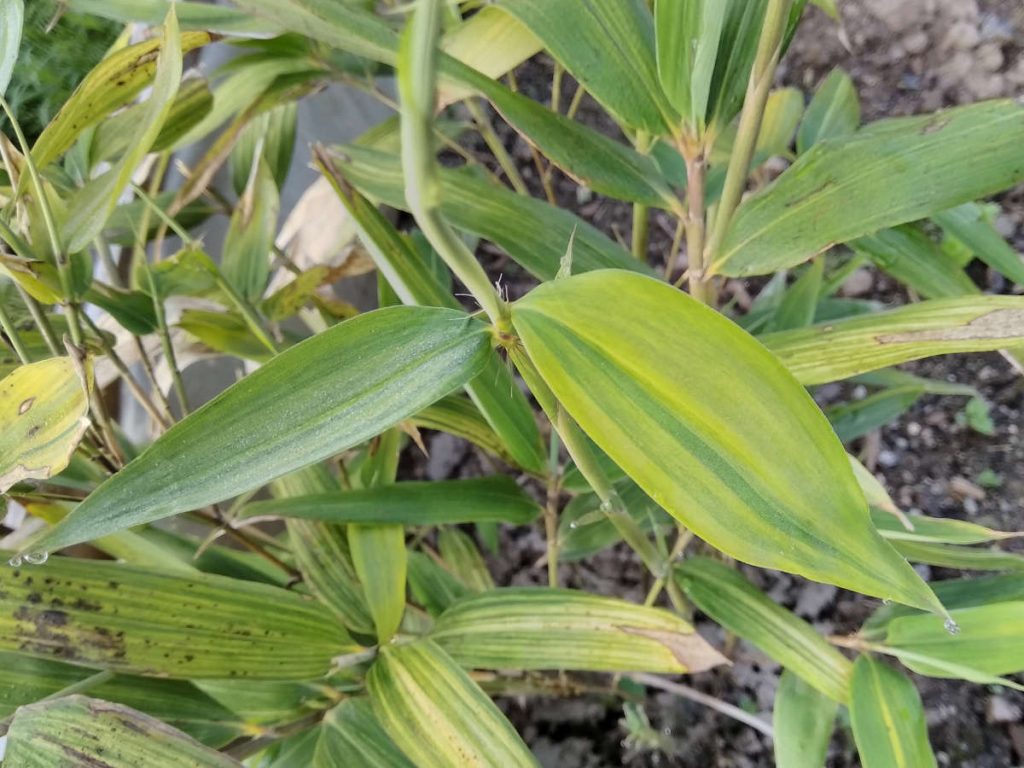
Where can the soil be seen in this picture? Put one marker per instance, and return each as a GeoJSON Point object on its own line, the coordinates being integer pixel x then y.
{"type": "Point", "coordinates": [906, 56]}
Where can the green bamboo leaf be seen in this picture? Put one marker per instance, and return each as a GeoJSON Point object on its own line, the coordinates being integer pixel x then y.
{"type": "Point", "coordinates": [493, 212]}
{"type": "Point", "coordinates": [750, 480]}
{"type": "Point", "coordinates": [43, 415]}
{"type": "Point", "coordinates": [91, 206]}
{"type": "Point", "coordinates": [321, 551]}
{"type": "Point", "coordinates": [24, 680]}
{"type": "Point", "coordinates": [115, 135]}
{"type": "Point", "coordinates": [79, 732]}
{"type": "Point", "coordinates": [737, 605]}
{"type": "Point", "coordinates": [858, 417]}
{"type": "Point", "coordinates": [958, 593]}
{"type": "Point", "coordinates": [834, 111]}
{"type": "Point", "coordinates": [909, 255]}
{"type": "Point", "coordinates": [782, 113]}
{"type": "Point", "coordinates": [936, 530]}
{"type": "Point", "coordinates": [299, 408]}
{"type": "Point", "coordinates": [484, 499]}
{"type": "Point", "coordinates": [432, 585]}
{"type": "Point", "coordinates": [113, 83]}
{"type": "Point", "coordinates": [803, 720]}
{"type": "Point", "coordinates": [437, 715]}
{"type": "Point", "coordinates": [887, 717]}
{"type": "Point", "coordinates": [273, 134]}
{"type": "Point", "coordinates": [351, 735]}
{"type": "Point", "coordinates": [463, 558]}
{"type": "Point", "coordinates": [250, 236]}
{"type": "Point", "coordinates": [192, 15]}
{"type": "Point", "coordinates": [378, 554]}
{"type": "Point", "coordinates": [457, 416]}
{"type": "Point", "coordinates": [836, 350]}
{"type": "Point", "coordinates": [536, 628]}
{"type": "Point", "coordinates": [140, 621]}
{"type": "Point", "coordinates": [890, 172]}
{"type": "Point", "coordinates": [267, 703]}
{"type": "Point", "coordinates": [987, 639]}
{"type": "Point", "coordinates": [798, 305]}
{"type": "Point", "coordinates": [500, 401]}
{"type": "Point", "coordinates": [608, 46]}
{"type": "Point", "coordinates": [955, 556]}
{"type": "Point", "coordinates": [12, 16]}
{"type": "Point", "coordinates": [968, 224]}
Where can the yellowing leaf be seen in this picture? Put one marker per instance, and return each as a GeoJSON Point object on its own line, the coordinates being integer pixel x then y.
{"type": "Point", "coordinates": [711, 426]}
{"type": "Point", "coordinates": [43, 409]}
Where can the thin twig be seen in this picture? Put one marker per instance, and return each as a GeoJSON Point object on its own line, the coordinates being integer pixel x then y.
{"type": "Point", "coordinates": [722, 707]}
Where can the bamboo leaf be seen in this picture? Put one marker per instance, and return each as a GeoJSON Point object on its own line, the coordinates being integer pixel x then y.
{"type": "Point", "coordinates": [43, 415]}
{"type": "Point", "coordinates": [936, 530]}
{"type": "Point", "coordinates": [987, 639]}
{"type": "Point", "coordinates": [750, 480]}
{"type": "Point", "coordinates": [958, 593]}
{"type": "Point", "coordinates": [192, 15]}
{"type": "Point", "coordinates": [858, 417]}
{"type": "Point", "coordinates": [564, 629]}
{"type": "Point", "coordinates": [457, 416]}
{"type": "Point", "coordinates": [803, 719]}
{"type": "Point", "coordinates": [836, 350]}
{"type": "Point", "coordinates": [91, 206]}
{"type": "Point", "coordinates": [608, 46]}
{"type": "Point", "coordinates": [12, 16]}
{"type": "Point", "coordinates": [909, 255]}
{"type": "Point", "coordinates": [250, 236]}
{"type": "Point", "coordinates": [890, 172]}
{"type": "Point", "coordinates": [737, 605]}
{"type": "Point", "coordinates": [351, 735]}
{"type": "Point", "coordinates": [436, 714]}
{"type": "Point", "coordinates": [796, 310]}
{"type": "Point", "coordinates": [299, 408]}
{"type": "Point", "coordinates": [887, 717]}
{"type": "Point", "coordinates": [464, 560]}
{"type": "Point", "coordinates": [967, 223]}
{"type": "Point", "coordinates": [80, 732]}
{"type": "Point", "coordinates": [500, 401]}
{"type": "Point", "coordinates": [140, 621]}
{"type": "Point", "coordinates": [432, 585]}
{"type": "Point", "coordinates": [834, 111]}
{"type": "Point", "coordinates": [113, 83]}
{"type": "Point", "coordinates": [495, 213]}
{"type": "Point", "coordinates": [24, 680]}
{"type": "Point", "coordinates": [485, 499]}
{"type": "Point", "coordinates": [955, 556]}
{"type": "Point", "coordinates": [378, 554]}
{"type": "Point", "coordinates": [782, 113]}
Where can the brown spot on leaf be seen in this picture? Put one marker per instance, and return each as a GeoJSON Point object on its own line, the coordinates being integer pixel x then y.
{"type": "Point", "coordinates": [997, 324]}
{"type": "Point", "coordinates": [691, 650]}
{"type": "Point", "coordinates": [25, 405]}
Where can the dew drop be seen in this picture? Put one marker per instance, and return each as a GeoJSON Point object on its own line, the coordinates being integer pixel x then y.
{"type": "Point", "coordinates": [667, 731]}
{"type": "Point", "coordinates": [952, 627]}
{"type": "Point", "coordinates": [15, 561]}
{"type": "Point", "coordinates": [36, 558]}
{"type": "Point", "coordinates": [886, 601]}
{"type": "Point", "coordinates": [607, 507]}
{"type": "Point", "coordinates": [574, 525]}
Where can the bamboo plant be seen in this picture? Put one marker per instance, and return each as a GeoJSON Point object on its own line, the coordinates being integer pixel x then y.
{"type": "Point", "coordinates": [260, 582]}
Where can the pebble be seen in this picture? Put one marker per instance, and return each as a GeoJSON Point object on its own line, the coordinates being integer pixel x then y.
{"type": "Point", "coordinates": [888, 459]}
{"type": "Point", "coordinates": [999, 709]}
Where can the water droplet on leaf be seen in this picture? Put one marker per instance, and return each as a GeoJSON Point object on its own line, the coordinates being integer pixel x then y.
{"type": "Point", "coordinates": [36, 558]}
{"type": "Point", "coordinates": [952, 627]}
{"type": "Point", "coordinates": [15, 561]}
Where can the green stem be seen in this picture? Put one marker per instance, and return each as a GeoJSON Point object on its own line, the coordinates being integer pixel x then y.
{"type": "Point", "coordinates": [13, 336]}
{"type": "Point", "coordinates": [640, 231]}
{"type": "Point", "coordinates": [769, 48]}
{"type": "Point", "coordinates": [165, 339]}
{"type": "Point", "coordinates": [700, 288]}
{"type": "Point", "coordinates": [40, 319]}
{"type": "Point", "coordinates": [417, 85]}
{"type": "Point", "coordinates": [554, 489]}
{"type": "Point", "coordinates": [248, 314]}
{"type": "Point", "coordinates": [486, 131]}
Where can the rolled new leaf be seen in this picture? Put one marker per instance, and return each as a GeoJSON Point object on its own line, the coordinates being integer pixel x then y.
{"type": "Point", "coordinates": [710, 426]}
{"type": "Point", "coordinates": [836, 350]}
{"type": "Point", "coordinates": [887, 717]}
{"type": "Point", "coordinates": [524, 628]}
{"type": "Point", "coordinates": [79, 732]}
{"type": "Point", "coordinates": [316, 399]}
{"type": "Point", "coordinates": [146, 622]}
{"type": "Point", "coordinates": [437, 715]}
{"type": "Point", "coordinates": [737, 605]}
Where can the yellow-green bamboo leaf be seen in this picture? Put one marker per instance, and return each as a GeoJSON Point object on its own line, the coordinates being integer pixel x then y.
{"type": "Point", "coordinates": [437, 715]}
{"type": "Point", "coordinates": [711, 427]}
{"type": "Point", "coordinates": [379, 557]}
{"type": "Point", "coordinates": [43, 415]}
{"type": "Point", "coordinates": [803, 719]}
{"type": "Point", "coordinates": [732, 601]}
{"type": "Point", "coordinates": [316, 399]}
{"type": "Point", "coordinates": [79, 732]}
{"type": "Point", "coordinates": [463, 558]}
{"type": "Point", "coordinates": [887, 717]}
{"type": "Point", "coordinates": [351, 735]}
{"type": "Point", "coordinates": [890, 172]}
{"type": "Point", "coordinates": [524, 628]}
{"type": "Point", "coordinates": [836, 350]}
{"type": "Point", "coordinates": [113, 83]}
{"type": "Point", "coordinates": [936, 530]}
{"type": "Point", "coordinates": [147, 622]}
{"type": "Point", "coordinates": [834, 111]}
{"type": "Point", "coordinates": [12, 16]}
